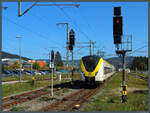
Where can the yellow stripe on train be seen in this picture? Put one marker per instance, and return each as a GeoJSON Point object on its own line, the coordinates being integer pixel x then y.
{"type": "Point", "coordinates": [91, 74]}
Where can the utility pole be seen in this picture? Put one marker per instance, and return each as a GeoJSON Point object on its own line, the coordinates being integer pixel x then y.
{"type": "Point", "coordinates": [72, 66]}
{"type": "Point", "coordinates": [136, 73]}
{"type": "Point", "coordinates": [19, 8]}
{"type": "Point", "coordinates": [100, 53]}
{"type": "Point", "coordinates": [71, 46]}
{"type": "Point", "coordinates": [67, 46]}
{"type": "Point", "coordinates": [31, 68]}
{"type": "Point", "coordinates": [93, 46]}
{"type": "Point", "coordinates": [67, 51]}
{"type": "Point", "coordinates": [20, 76]}
{"type": "Point", "coordinates": [90, 47]}
{"type": "Point", "coordinates": [51, 65]}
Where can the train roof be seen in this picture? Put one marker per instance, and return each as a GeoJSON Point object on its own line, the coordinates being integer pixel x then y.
{"type": "Point", "coordinates": [96, 57]}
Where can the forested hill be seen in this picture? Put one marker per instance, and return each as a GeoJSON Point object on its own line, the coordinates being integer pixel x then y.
{"type": "Point", "coordinates": [114, 61]}
{"type": "Point", "coordinates": [9, 55]}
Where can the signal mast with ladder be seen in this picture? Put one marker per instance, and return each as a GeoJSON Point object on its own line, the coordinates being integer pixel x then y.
{"type": "Point", "coordinates": [123, 44]}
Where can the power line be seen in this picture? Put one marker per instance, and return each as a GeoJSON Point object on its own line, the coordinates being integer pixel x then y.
{"type": "Point", "coordinates": [73, 22]}
{"type": "Point", "coordinates": [39, 18]}
{"type": "Point", "coordinates": [25, 28]}
{"type": "Point", "coordinates": [138, 49]}
{"type": "Point", "coordinates": [87, 23]}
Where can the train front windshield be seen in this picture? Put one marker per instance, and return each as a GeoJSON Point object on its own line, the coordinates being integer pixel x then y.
{"type": "Point", "coordinates": [90, 62]}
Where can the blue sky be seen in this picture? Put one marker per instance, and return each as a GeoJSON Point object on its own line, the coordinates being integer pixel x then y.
{"type": "Point", "coordinates": [91, 21]}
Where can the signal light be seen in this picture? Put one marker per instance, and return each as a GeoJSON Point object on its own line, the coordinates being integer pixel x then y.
{"type": "Point", "coordinates": [117, 21]}
{"type": "Point", "coordinates": [52, 56]}
{"type": "Point", "coordinates": [117, 39]}
{"type": "Point", "coordinates": [117, 25]}
{"type": "Point", "coordinates": [72, 37]}
{"type": "Point", "coordinates": [117, 11]}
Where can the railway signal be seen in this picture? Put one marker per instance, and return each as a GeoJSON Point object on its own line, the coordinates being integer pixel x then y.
{"type": "Point", "coordinates": [117, 39]}
{"type": "Point", "coordinates": [117, 25]}
{"type": "Point", "coordinates": [117, 11]}
{"type": "Point", "coordinates": [52, 56]}
{"type": "Point", "coordinates": [51, 65]}
{"type": "Point", "coordinates": [71, 45]}
{"type": "Point", "coordinates": [123, 48]}
{"type": "Point", "coordinates": [71, 39]}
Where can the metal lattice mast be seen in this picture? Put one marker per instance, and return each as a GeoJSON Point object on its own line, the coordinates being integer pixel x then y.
{"type": "Point", "coordinates": [67, 45]}
{"type": "Point", "coordinates": [67, 50]}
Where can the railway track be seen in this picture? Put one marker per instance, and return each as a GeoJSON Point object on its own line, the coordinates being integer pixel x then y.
{"type": "Point", "coordinates": [28, 96]}
{"type": "Point", "coordinates": [65, 104]}
{"type": "Point", "coordinates": [140, 77]}
{"type": "Point", "coordinates": [78, 98]}
{"type": "Point", "coordinates": [24, 97]}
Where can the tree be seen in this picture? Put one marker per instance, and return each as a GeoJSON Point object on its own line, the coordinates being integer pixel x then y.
{"type": "Point", "coordinates": [58, 60]}
{"type": "Point", "coordinates": [36, 66]}
{"type": "Point", "coordinates": [5, 67]}
{"type": "Point", "coordinates": [16, 65]}
{"type": "Point", "coordinates": [141, 63]}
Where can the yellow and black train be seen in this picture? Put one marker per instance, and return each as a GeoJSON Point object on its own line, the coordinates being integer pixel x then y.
{"type": "Point", "coordinates": [95, 69]}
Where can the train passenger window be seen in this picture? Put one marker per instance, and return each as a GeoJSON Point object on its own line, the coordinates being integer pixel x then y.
{"type": "Point", "coordinates": [107, 70]}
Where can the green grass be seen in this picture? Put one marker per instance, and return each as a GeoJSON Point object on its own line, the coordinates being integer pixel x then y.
{"type": "Point", "coordinates": [44, 99]}
{"type": "Point", "coordinates": [139, 74]}
{"type": "Point", "coordinates": [65, 90]}
{"type": "Point", "coordinates": [10, 78]}
{"type": "Point", "coordinates": [19, 108]}
{"type": "Point", "coordinates": [110, 98]}
{"type": "Point", "coordinates": [28, 77]}
{"type": "Point", "coordinates": [9, 89]}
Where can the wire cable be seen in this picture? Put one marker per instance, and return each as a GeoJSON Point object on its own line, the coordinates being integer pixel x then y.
{"type": "Point", "coordinates": [36, 33]}
{"type": "Point", "coordinates": [73, 22]}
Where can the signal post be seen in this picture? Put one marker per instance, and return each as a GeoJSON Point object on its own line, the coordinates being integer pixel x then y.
{"type": "Point", "coordinates": [123, 44]}
{"type": "Point", "coordinates": [71, 46]}
{"type": "Point", "coordinates": [51, 65]}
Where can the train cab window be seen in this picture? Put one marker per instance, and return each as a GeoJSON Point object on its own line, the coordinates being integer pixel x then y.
{"type": "Point", "coordinates": [90, 62]}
